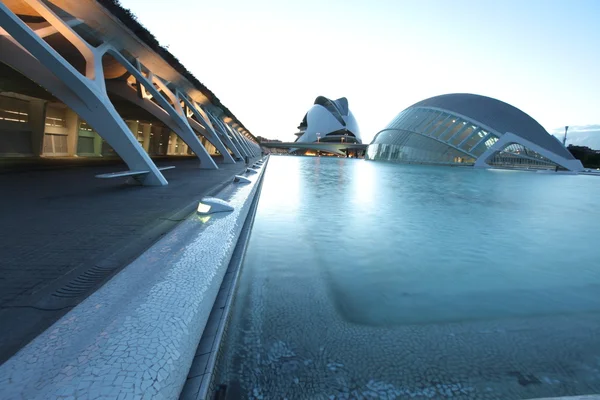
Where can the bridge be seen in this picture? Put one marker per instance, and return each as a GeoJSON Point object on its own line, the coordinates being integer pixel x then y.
{"type": "Point", "coordinates": [82, 78]}
{"type": "Point", "coordinates": [330, 147]}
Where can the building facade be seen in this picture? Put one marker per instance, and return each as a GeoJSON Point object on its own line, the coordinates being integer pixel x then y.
{"type": "Point", "coordinates": [468, 129]}
{"type": "Point", "coordinates": [85, 79]}
{"type": "Point", "coordinates": [329, 121]}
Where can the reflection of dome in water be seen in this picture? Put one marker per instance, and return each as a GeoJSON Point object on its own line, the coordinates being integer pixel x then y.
{"type": "Point", "coordinates": [329, 121]}
{"type": "Point", "coordinates": [473, 130]}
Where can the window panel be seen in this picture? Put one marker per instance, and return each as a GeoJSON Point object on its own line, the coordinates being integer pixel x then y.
{"type": "Point", "coordinates": [56, 117]}
{"type": "Point", "coordinates": [462, 135]}
{"type": "Point", "coordinates": [432, 115]}
{"type": "Point", "coordinates": [454, 125]}
{"type": "Point", "coordinates": [518, 156]}
{"type": "Point", "coordinates": [473, 140]}
{"type": "Point", "coordinates": [409, 119]}
{"type": "Point", "coordinates": [443, 126]}
{"type": "Point", "coordinates": [14, 110]}
{"type": "Point", "coordinates": [416, 119]}
{"type": "Point", "coordinates": [486, 144]}
{"type": "Point", "coordinates": [416, 148]}
{"type": "Point", "coordinates": [433, 127]}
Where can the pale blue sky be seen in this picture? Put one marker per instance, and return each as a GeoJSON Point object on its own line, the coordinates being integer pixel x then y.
{"type": "Point", "coordinates": [267, 60]}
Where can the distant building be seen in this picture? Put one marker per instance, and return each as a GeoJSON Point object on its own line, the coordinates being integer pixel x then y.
{"type": "Point", "coordinates": [328, 121]}
{"type": "Point", "coordinates": [468, 129]}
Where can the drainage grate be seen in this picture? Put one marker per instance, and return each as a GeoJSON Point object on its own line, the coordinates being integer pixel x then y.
{"type": "Point", "coordinates": [84, 282]}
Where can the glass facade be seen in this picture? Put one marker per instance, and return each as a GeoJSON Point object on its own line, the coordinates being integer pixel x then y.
{"type": "Point", "coordinates": [432, 136]}
{"type": "Point", "coordinates": [409, 147]}
{"type": "Point", "coordinates": [516, 155]}
{"type": "Point", "coordinates": [425, 136]}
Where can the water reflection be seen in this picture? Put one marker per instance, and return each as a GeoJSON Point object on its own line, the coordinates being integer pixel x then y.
{"type": "Point", "coordinates": [355, 268]}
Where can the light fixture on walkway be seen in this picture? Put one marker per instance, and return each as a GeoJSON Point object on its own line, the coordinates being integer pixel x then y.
{"type": "Point", "coordinates": [241, 179]}
{"type": "Point", "coordinates": [251, 171]}
{"type": "Point", "coordinates": [211, 205]}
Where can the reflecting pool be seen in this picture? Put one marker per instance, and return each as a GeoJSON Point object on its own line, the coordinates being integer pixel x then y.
{"type": "Point", "coordinates": [374, 280]}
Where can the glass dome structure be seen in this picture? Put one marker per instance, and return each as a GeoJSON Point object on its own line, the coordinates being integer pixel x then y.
{"type": "Point", "coordinates": [469, 129]}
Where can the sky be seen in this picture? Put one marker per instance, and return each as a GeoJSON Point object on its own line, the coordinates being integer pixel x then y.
{"type": "Point", "coordinates": [267, 60]}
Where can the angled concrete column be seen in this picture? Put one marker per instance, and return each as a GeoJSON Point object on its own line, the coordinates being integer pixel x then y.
{"type": "Point", "coordinates": [232, 146]}
{"type": "Point", "coordinates": [211, 135]}
{"type": "Point", "coordinates": [208, 119]}
{"type": "Point", "coordinates": [218, 124]}
{"type": "Point", "coordinates": [84, 94]}
{"type": "Point", "coordinates": [239, 143]}
{"type": "Point", "coordinates": [227, 128]}
{"type": "Point", "coordinates": [242, 140]}
{"type": "Point", "coordinates": [251, 145]}
{"type": "Point", "coordinates": [246, 141]}
{"type": "Point", "coordinates": [177, 114]}
{"type": "Point", "coordinates": [122, 89]}
{"type": "Point", "coordinates": [178, 120]}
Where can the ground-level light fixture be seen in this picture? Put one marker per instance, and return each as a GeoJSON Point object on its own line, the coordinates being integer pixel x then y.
{"type": "Point", "coordinates": [241, 179]}
{"type": "Point", "coordinates": [211, 205]}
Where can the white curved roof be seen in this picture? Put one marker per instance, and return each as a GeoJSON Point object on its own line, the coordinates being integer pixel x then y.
{"type": "Point", "coordinates": [327, 117]}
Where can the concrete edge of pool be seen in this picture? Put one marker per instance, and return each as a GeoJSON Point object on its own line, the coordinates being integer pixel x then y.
{"type": "Point", "coordinates": [200, 383]}
{"type": "Point", "coordinates": [137, 335]}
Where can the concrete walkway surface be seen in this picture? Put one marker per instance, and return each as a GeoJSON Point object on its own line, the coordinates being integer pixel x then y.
{"type": "Point", "coordinates": [64, 233]}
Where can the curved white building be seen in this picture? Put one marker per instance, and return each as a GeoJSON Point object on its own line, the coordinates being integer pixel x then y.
{"type": "Point", "coordinates": [329, 121]}
{"type": "Point", "coordinates": [470, 129]}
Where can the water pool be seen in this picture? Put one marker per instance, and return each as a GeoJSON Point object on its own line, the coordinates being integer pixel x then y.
{"type": "Point", "coordinates": [375, 280]}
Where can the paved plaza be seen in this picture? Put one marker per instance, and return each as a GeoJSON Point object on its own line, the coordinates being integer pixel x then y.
{"type": "Point", "coordinates": [65, 232]}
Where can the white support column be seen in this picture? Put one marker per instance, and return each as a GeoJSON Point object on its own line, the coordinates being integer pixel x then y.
{"type": "Point", "coordinates": [242, 142]}
{"type": "Point", "coordinates": [222, 132]}
{"type": "Point", "coordinates": [226, 140]}
{"type": "Point", "coordinates": [212, 136]}
{"type": "Point", "coordinates": [249, 144]}
{"type": "Point", "coordinates": [179, 123]}
{"type": "Point", "coordinates": [84, 94]}
{"type": "Point", "coordinates": [236, 140]}
{"type": "Point", "coordinates": [185, 131]}
{"type": "Point", "coordinates": [239, 137]}
{"type": "Point", "coordinates": [219, 124]}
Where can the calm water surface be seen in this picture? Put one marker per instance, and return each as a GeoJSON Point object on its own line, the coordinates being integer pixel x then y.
{"type": "Point", "coordinates": [374, 280]}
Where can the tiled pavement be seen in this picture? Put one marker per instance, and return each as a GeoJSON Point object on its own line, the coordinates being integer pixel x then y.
{"type": "Point", "coordinates": [63, 233]}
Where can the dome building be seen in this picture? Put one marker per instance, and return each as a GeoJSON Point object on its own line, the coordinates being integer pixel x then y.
{"type": "Point", "coordinates": [329, 121]}
{"type": "Point", "coordinates": [469, 129]}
